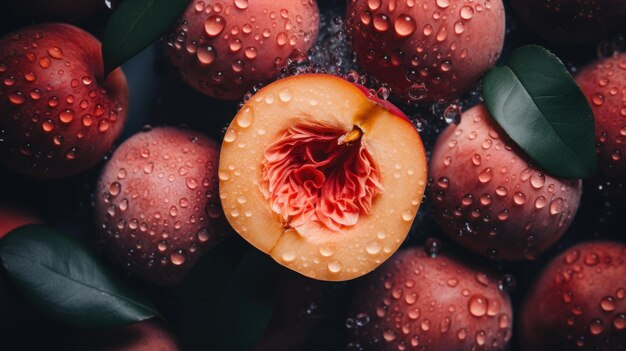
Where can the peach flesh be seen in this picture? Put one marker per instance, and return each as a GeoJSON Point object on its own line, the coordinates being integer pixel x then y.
{"type": "Point", "coordinates": [426, 50]}
{"type": "Point", "coordinates": [604, 84]}
{"type": "Point", "coordinates": [57, 116]}
{"type": "Point", "coordinates": [314, 177]}
{"type": "Point", "coordinates": [578, 301]}
{"type": "Point", "coordinates": [300, 144]}
{"type": "Point", "coordinates": [223, 49]}
{"type": "Point", "coordinates": [441, 303]}
{"type": "Point", "coordinates": [489, 198]}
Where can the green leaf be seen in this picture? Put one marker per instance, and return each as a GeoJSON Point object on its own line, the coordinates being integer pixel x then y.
{"type": "Point", "coordinates": [537, 102]}
{"type": "Point", "coordinates": [135, 25]}
{"type": "Point", "coordinates": [246, 311]}
{"type": "Point", "coordinates": [64, 280]}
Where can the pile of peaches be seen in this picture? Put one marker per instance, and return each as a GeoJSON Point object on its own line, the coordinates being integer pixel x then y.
{"type": "Point", "coordinates": [393, 174]}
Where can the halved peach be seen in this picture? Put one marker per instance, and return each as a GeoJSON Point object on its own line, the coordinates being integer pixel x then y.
{"type": "Point", "coordinates": [322, 177]}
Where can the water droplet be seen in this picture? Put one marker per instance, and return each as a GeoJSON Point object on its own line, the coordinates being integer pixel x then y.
{"type": "Point", "coordinates": [519, 198]}
{"type": "Point", "coordinates": [452, 114]}
{"type": "Point", "coordinates": [55, 52]}
{"type": "Point", "coordinates": [485, 176]}
{"type": "Point", "coordinates": [66, 116]}
{"type": "Point", "coordinates": [214, 25]}
{"type": "Point", "coordinates": [241, 4]}
{"type": "Point", "coordinates": [598, 99]}
{"type": "Point", "coordinates": [334, 266]}
{"type": "Point", "coordinates": [467, 12]}
{"type": "Point", "coordinates": [285, 95]}
{"type": "Point", "coordinates": [596, 327]}
{"type": "Point", "coordinates": [289, 256]}
{"type": "Point", "coordinates": [206, 55]}
{"type": "Point", "coordinates": [381, 22]}
{"type": "Point", "coordinates": [557, 206]}
{"type": "Point", "coordinates": [251, 52]}
{"type": "Point", "coordinates": [404, 25]}
{"type": "Point", "coordinates": [17, 98]}
{"type": "Point", "coordinates": [374, 4]}
{"type": "Point", "coordinates": [459, 27]}
{"type": "Point", "coordinates": [407, 215]}
{"type": "Point", "coordinates": [443, 3]}
{"type": "Point", "coordinates": [607, 304]}
{"type": "Point", "coordinates": [373, 247]}
{"type": "Point", "coordinates": [619, 321]}
{"type": "Point", "coordinates": [177, 257]}
{"type": "Point", "coordinates": [231, 135]}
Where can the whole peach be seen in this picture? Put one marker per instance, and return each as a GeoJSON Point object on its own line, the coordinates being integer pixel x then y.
{"type": "Point", "coordinates": [488, 197]}
{"type": "Point", "coordinates": [58, 116]}
{"type": "Point", "coordinates": [157, 203]}
{"type": "Point", "coordinates": [142, 336]}
{"type": "Point", "coordinates": [13, 310]}
{"type": "Point", "coordinates": [223, 49]}
{"type": "Point", "coordinates": [427, 50]}
{"type": "Point", "coordinates": [577, 303]}
{"type": "Point", "coordinates": [604, 84]}
{"type": "Point", "coordinates": [437, 303]}
{"type": "Point", "coordinates": [571, 21]}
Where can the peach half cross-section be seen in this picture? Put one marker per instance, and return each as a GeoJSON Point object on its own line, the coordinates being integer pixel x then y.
{"type": "Point", "coordinates": [322, 176]}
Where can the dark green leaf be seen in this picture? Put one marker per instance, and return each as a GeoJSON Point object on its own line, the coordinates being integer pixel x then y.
{"type": "Point", "coordinates": [539, 105]}
{"type": "Point", "coordinates": [245, 312]}
{"type": "Point", "coordinates": [135, 25]}
{"type": "Point", "coordinates": [64, 280]}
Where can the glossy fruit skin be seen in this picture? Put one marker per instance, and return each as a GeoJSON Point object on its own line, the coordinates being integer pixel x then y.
{"type": "Point", "coordinates": [57, 9]}
{"type": "Point", "coordinates": [142, 336]}
{"type": "Point", "coordinates": [157, 204]}
{"type": "Point", "coordinates": [577, 302]}
{"type": "Point", "coordinates": [246, 42]}
{"type": "Point", "coordinates": [490, 199]}
{"type": "Point", "coordinates": [57, 118]}
{"type": "Point", "coordinates": [604, 84]}
{"type": "Point", "coordinates": [440, 303]}
{"type": "Point", "coordinates": [425, 51]}
{"type": "Point", "coordinates": [571, 21]}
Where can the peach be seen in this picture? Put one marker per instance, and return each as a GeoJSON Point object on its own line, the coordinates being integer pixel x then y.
{"type": "Point", "coordinates": [322, 177]}
{"type": "Point", "coordinates": [13, 214]}
{"type": "Point", "coordinates": [142, 336]}
{"type": "Point", "coordinates": [490, 198]}
{"type": "Point", "coordinates": [577, 302]}
{"type": "Point", "coordinates": [604, 84]}
{"type": "Point", "coordinates": [58, 114]}
{"type": "Point", "coordinates": [157, 205]}
{"type": "Point", "coordinates": [223, 49]}
{"type": "Point", "coordinates": [427, 50]}
{"type": "Point", "coordinates": [58, 9]}
{"type": "Point", "coordinates": [571, 21]}
{"type": "Point", "coordinates": [440, 303]}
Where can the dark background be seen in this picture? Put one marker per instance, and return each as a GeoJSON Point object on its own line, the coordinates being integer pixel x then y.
{"type": "Point", "coordinates": [158, 97]}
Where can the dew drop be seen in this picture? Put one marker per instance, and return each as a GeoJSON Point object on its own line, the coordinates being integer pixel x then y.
{"type": "Point", "coordinates": [404, 25]}
{"type": "Point", "coordinates": [177, 257]}
{"type": "Point", "coordinates": [214, 25]}
{"type": "Point", "coordinates": [334, 266]}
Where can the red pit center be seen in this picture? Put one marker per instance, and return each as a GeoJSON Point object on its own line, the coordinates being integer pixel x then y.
{"type": "Point", "coordinates": [318, 176]}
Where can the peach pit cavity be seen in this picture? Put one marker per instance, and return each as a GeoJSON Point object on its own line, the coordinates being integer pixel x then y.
{"type": "Point", "coordinates": [319, 176]}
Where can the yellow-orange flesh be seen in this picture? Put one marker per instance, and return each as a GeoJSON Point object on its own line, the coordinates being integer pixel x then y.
{"type": "Point", "coordinates": [320, 177]}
